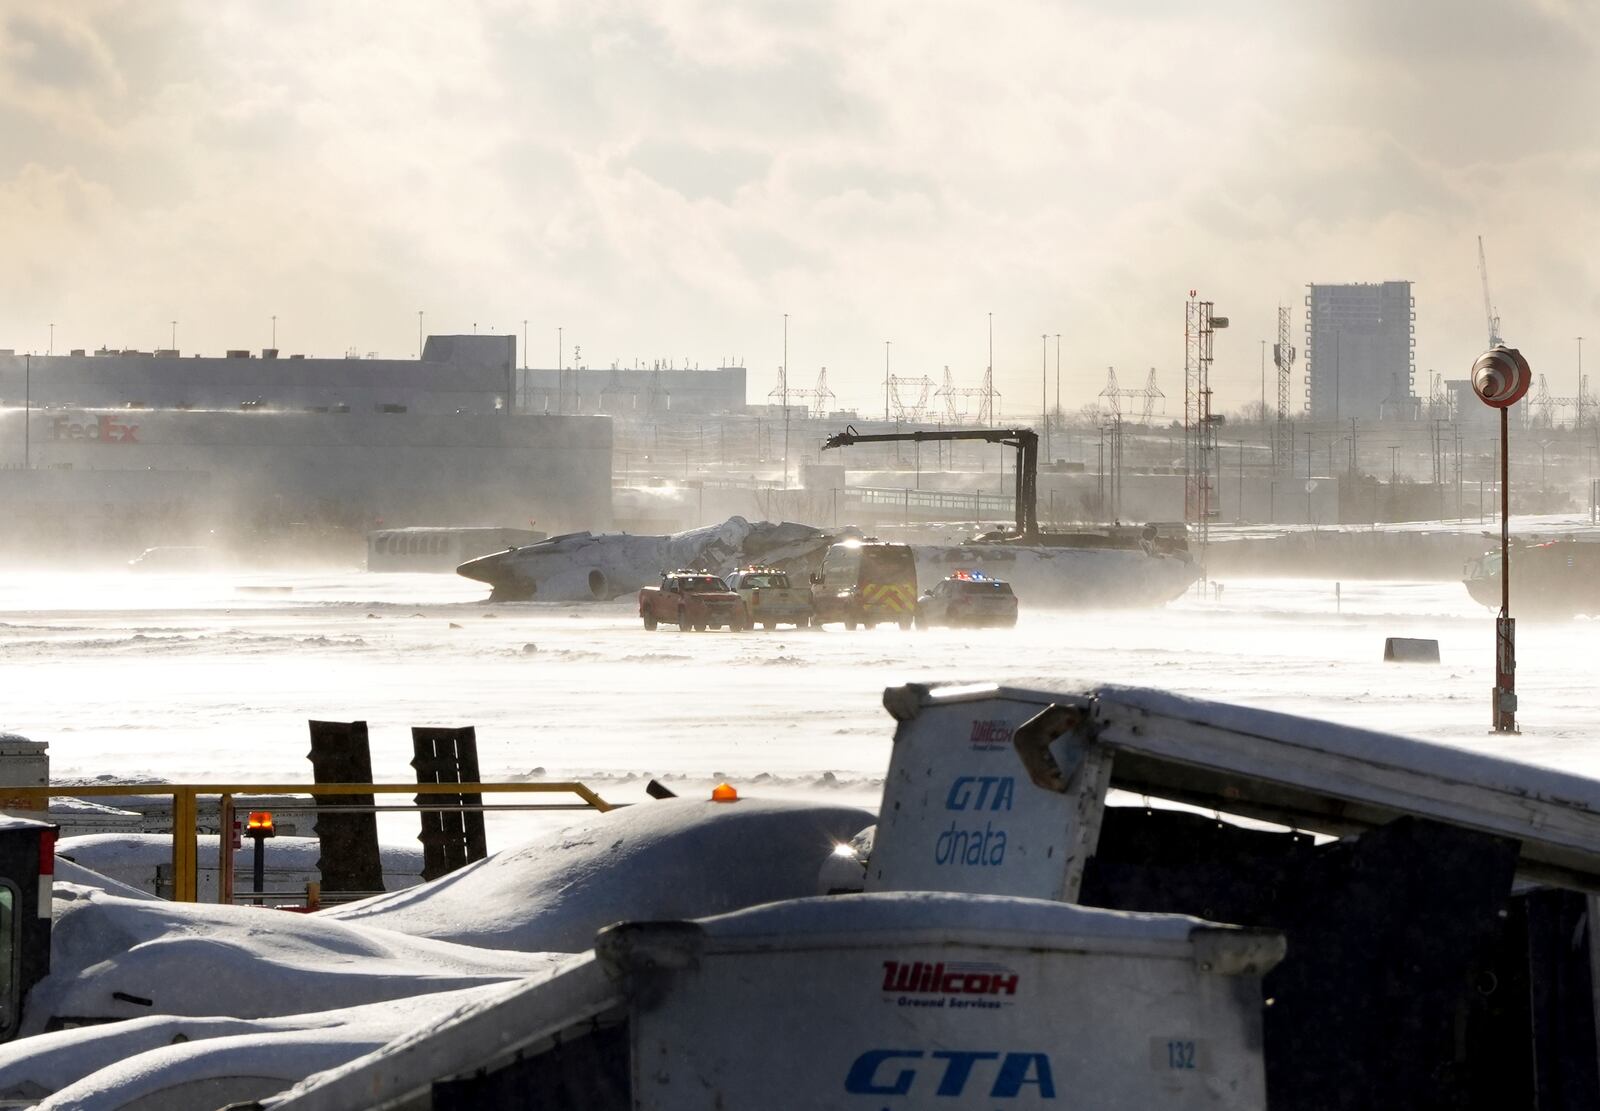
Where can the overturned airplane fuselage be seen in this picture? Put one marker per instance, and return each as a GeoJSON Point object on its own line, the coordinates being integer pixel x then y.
{"type": "Point", "coordinates": [581, 566]}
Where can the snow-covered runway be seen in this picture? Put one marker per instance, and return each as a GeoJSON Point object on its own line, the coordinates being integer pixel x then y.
{"type": "Point", "coordinates": [213, 677]}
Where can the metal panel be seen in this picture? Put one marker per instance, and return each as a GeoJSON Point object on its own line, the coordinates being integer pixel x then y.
{"type": "Point", "coordinates": [450, 839]}
{"type": "Point", "coordinates": [961, 813]}
{"type": "Point", "coordinates": [350, 862]}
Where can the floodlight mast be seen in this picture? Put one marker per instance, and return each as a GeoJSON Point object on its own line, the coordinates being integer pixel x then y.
{"type": "Point", "coordinates": [1024, 440]}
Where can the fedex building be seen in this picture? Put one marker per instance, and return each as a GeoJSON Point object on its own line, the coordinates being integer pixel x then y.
{"type": "Point", "coordinates": [247, 442]}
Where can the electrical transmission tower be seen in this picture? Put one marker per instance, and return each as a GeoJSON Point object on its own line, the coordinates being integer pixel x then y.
{"type": "Point", "coordinates": [1544, 407]}
{"type": "Point", "coordinates": [1151, 394]}
{"type": "Point", "coordinates": [822, 395]}
{"type": "Point", "coordinates": [958, 399]}
{"type": "Point", "coordinates": [1283, 354]}
{"type": "Point", "coordinates": [953, 413]}
{"type": "Point", "coordinates": [1113, 396]}
{"type": "Point", "coordinates": [910, 397]}
{"type": "Point", "coordinates": [816, 399]}
{"type": "Point", "coordinates": [988, 410]}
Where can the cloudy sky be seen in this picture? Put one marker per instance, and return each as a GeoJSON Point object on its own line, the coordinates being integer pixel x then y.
{"type": "Point", "coordinates": [668, 179]}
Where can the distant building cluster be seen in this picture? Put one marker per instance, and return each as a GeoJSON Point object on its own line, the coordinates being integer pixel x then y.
{"type": "Point", "coordinates": [135, 444]}
{"type": "Point", "coordinates": [456, 375]}
{"type": "Point", "coordinates": [632, 392]}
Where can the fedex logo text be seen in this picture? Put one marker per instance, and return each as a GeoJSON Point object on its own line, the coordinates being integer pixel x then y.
{"type": "Point", "coordinates": [106, 430]}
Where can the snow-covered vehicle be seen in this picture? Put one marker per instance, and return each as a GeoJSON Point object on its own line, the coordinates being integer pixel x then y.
{"type": "Point", "coordinates": [692, 600]}
{"type": "Point", "coordinates": [968, 598]}
{"type": "Point", "coordinates": [865, 582]}
{"type": "Point", "coordinates": [770, 599]}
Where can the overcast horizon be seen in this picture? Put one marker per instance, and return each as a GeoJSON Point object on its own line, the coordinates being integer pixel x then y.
{"type": "Point", "coordinates": [667, 181]}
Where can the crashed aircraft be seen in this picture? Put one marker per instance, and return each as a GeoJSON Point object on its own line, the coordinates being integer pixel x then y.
{"type": "Point", "coordinates": [580, 566]}
{"type": "Point", "coordinates": [1095, 568]}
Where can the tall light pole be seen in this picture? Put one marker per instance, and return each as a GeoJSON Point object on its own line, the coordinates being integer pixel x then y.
{"type": "Point", "coordinates": [274, 331]}
{"type": "Point", "coordinates": [174, 335]}
{"type": "Point", "coordinates": [784, 383]}
{"type": "Point", "coordinates": [1263, 381]}
{"type": "Point", "coordinates": [561, 372]}
{"type": "Point", "coordinates": [885, 381]}
{"type": "Point", "coordinates": [419, 334]}
{"type": "Point", "coordinates": [27, 411]}
{"type": "Point", "coordinates": [51, 350]}
{"type": "Point", "coordinates": [1580, 381]}
{"type": "Point", "coordinates": [1044, 389]}
{"type": "Point", "coordinates": [1058, 373]}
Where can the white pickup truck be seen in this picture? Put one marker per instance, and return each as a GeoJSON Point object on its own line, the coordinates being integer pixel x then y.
{"type": "Point", "coordinates": [769, 599]}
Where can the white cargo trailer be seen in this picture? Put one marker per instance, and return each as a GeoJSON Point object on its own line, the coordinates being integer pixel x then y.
{"type": "Point", "coordinates": [864, 1001]}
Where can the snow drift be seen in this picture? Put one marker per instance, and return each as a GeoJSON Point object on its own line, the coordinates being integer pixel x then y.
{"type": "Point", "coordinates": [674, 858]}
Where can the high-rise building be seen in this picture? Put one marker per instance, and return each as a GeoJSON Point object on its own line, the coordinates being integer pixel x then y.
{"type": "Point", "coordinates": [1359, 351]}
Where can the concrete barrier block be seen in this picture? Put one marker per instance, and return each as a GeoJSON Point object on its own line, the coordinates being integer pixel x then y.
{"type": "Point", "coordinates": [1410, 650]}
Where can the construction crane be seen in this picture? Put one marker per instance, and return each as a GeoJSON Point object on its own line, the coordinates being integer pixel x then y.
{"type": "Point", "coordinates": [1488, 305]}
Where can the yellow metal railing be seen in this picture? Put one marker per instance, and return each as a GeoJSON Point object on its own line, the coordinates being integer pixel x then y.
{"type": "Point", "coordinates": [186, 811]}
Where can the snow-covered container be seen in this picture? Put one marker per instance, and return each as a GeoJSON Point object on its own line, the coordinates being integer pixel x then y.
{"type": "Point", "coordinates": [23, 763]}
{"type": "Point", "coordinates": [82, 817]}
{"type": "Point", "coordinates": [144, 861]}
{"type": "Point", "coordinates": [904, 1000]}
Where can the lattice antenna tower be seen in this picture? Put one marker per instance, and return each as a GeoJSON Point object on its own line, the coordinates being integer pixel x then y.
{"type": "Point", "coordinates": [1283, 356]}
{"type": "Point", "coordinates": [1199, 431]}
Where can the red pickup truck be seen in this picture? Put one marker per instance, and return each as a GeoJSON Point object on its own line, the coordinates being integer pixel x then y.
{"type": "Point", "coordinates": [692, 600]}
